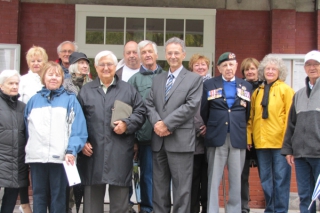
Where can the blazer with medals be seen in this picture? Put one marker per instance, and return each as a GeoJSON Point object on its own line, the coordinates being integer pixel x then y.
{"type": "Point", "coordinates": [217, 116]}
{"type": "Point", "coordinates": [176, 112]}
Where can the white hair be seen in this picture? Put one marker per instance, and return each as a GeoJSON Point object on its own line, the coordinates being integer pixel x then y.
{"type": "Point", "coordinates": [67, 42]}
{"type": "Point", "coordinates": [103, 54]}
{"type": "Point", "coordinates": [5, 74]}
{"type": "Point", "coordinates": [144, 43]}
{"type": "Point", "coordinates": [73, 68]}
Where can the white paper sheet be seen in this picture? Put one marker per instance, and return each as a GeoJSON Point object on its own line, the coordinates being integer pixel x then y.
{"type": "Point", "coordinates": [72, 173]}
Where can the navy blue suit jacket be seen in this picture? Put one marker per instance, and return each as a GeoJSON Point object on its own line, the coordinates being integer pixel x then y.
{"type": "Point", "coordinates": [217, 115]}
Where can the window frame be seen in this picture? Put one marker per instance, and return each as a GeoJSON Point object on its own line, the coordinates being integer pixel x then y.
{"type": "Point", "coordinates": [207, 15]}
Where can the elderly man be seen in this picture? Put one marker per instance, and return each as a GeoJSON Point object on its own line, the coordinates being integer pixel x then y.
{"type": "Point", "coordinates": [131, 61]}
{"type": "Point", "coordinates": [142, 81]}
{"type": "Point", "coordinates": [225, 109]}
{"type": "Point", "coordinates": [173, 101]}
{"type": "Point", "coordinates": [107, 155]}
{"type": "Point", "coordinates": [64, 50]}
{"type": "Point", "coordinates": [301, 143]}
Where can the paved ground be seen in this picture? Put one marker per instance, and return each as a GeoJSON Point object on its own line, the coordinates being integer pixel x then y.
{"type": "Point", "coordinates": [106, 210]}
{"type": "Point", "coordinates": [294, 206]}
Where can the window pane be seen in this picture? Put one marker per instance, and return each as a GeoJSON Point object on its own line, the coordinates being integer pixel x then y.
{"type": "Point", "coordinates": [194, 33]}
{"type": "Point", "coordinates": [174, 27]}
{"type": "Point", "coordinates": [155, 30]}
{"type": "Point", "coordinates": [135, 29]}
{"type": "Point", "coordinates": [94, 30]}
{"type": "Point", "coordinates": [114, 30]}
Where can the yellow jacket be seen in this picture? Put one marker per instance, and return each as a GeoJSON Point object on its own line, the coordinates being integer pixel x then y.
{"type": "Point", "coordinates": [269, 133]}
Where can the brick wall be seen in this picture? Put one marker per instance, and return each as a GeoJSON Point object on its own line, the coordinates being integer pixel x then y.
{"type": "Point", "coordinates": [306, 32]}
{"type": "Point", "coordinates": [246, 33]}
{"type": "Point", "coordinates": [9, 15]}
{"type": "Point", "coordinates": [45, 25]}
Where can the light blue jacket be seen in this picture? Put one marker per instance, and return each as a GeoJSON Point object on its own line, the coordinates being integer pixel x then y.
{"type": "Point", "coordinates": [55, 126]}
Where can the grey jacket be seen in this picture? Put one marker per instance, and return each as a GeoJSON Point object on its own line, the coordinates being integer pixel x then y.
{"type": "Point", "coordinates": [111, 161]}
{"type": "Point", "coordinates": [302, 138]}
{"type": "Point", "coordinates": [177, 112]}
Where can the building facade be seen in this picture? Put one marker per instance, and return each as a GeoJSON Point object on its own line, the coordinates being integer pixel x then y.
{"type": "Point", "coordinates": [249, 28]}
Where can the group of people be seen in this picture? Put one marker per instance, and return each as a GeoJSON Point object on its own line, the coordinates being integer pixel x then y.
{"type": "Point", "coordinates": [184, 128]}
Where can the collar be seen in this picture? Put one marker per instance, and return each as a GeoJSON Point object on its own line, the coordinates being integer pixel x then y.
{"type": "Point", "coordinates": [176, 73]}
{"type": "Point", "coordinates": [102, 85]}
{"type": "Point", "coordinates": [154, 71]}
{"type": "Point", "coordinates": [233, 79]}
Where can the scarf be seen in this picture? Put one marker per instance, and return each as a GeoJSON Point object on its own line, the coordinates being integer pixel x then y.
{"type": "Point", "coordinates": [265, 99]}
{"type": "Point", "coordinates": [79, 81]}
{"type": "Point", "coordinates": [12, 101]}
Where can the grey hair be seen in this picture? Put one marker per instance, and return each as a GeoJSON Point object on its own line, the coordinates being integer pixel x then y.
{"type": "Point", "coordinates": [103, 54]}
{"type": "Point", "coordinates": [73, 68]}
{"type": "Point", "coordinates": [67, 42]}
{"type": "Point", "coordinates": [144, 43]}
{"type": "Point", "coordinates": [5, 74]}
{"type": "Point", "coordinates": [176, 40]}
{"type": "Point", "coordinates": [278, 62]}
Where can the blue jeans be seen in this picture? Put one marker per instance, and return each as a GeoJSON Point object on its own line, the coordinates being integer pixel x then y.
{"type": "Point", "coordinates": [145, 157]}
{"type": "Point", "coordinates": [275, 177]}
{"type": "Point", "coordinates": [307, 171]}
{"type": "Point", "coordinates": [9, 200]}
{"type": "Point", "coordinates": [48, 178]}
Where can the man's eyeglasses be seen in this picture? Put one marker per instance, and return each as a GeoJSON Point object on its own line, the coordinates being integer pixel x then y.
{"type": "Point", "coordinates": [312, 65]}
{"type": "Point", "coordinates": [107, 64]}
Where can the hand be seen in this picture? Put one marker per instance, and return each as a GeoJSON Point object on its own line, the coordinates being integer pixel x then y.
{"type": "Point", "coordinates": [69, 158]}
{"type": "Point", "coordinates": [203, 130]}
{"type": "Point", "coordinates": [249, 146]}
{"type": "Point", "coordinates": [135, 150]}
{"type": "Point", "coordinates": [161, 129]}
{"type": "Point", "coordinates": [290, 160]}
{"type": "Point", "coordinates": [120, 128]}
{"type": "Point", "coordinates": [87, 149]}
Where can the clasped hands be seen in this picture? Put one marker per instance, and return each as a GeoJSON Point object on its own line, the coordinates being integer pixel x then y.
{"type": "Point", "coordinates": [161, 129]}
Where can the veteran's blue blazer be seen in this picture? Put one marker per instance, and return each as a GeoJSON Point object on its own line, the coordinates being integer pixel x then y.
{"type": "Point", "coordinates": [217, 115]}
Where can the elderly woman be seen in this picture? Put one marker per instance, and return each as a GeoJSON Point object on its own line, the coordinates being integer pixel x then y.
{"type": "Point", "coordinates": [199, 64]}
{"type": "Point", "coordinates": [108, 153]}
{"type": "Point", "coordinates": [14, 172]}
{"type": "Point", "coordinates": [57, 132]}
{"type": "Point", "coordinates": [249, 70]}
{"type": "Point", "coordinates": [30, 83]}
{"type": "Point", "coordinates": [79, 70]}
{"type": "Point", "coordinates": [270, 105]}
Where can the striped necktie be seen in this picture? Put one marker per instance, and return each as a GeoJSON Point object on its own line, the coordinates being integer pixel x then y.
{"type": "Point", "coordinates": [169, 85]}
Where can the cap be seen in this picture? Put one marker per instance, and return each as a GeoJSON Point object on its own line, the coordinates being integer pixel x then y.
{"type": "Point", "coordinates": [76, 56]}
{"type": "Point", "coordinates": [312, 55]}
{"type": "Point", "coordinates": [227, 56]}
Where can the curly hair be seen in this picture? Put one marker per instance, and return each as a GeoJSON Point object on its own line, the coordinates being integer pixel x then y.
{"type": "Point", "coordinates": [278, 62]}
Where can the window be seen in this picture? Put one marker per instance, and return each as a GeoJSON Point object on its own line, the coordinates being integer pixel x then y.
{"type": "Point", "coordinates": [9, 57]}
{"type": "Point", "coordinates": [110, 27]}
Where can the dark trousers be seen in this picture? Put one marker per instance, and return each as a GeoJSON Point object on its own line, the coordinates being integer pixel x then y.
{"type": "Point", "coordinates": [199, 190]}
{"type": "Point", "coordinates": [9, 200]}
{"type": "Point", "coordinates": [48, 180]}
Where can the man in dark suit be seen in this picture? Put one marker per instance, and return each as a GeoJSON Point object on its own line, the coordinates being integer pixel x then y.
{"type": "Point", "coordinates": [173, 101]}
{"type": "Point", "coordinates": [225, 109]}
